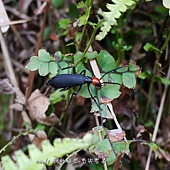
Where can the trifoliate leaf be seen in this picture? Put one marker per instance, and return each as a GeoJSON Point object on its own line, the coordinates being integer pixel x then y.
{"type": "Point", "coordinates": [33, 64]}
{"type": "Point", "coordinates": [44, 55]}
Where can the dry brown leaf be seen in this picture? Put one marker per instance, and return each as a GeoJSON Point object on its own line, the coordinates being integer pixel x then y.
{"type": "Point", "coordinates": [105, 100]}
{"type": "Point", "coordinates": [116, 134]}
{"type": "Point", "coordinates": [38, 137]}
{"type": "Point", "coordinates": [118, 161]}
{"type": "Point", "coordinates": [101, 155]}
{"type": "Point", "coordinates": [38, 105]}
{"type": "Point", "coordinates": [141, 129]}
{"type": "Point", "coordinates": [41, 134]}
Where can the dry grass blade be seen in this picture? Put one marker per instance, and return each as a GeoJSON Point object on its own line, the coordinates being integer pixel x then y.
{"type": "Point", "coordinates": [9, 69]}
{"type": "Point", "coordinates": [3, 18]}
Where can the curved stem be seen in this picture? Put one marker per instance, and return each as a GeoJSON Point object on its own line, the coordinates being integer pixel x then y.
{"type": "Point", "coordinates": [83, 31]}
{"type": "Point", "coordinates": [154, 73]}
{"type": "Point", "coordinates": [89, 43]}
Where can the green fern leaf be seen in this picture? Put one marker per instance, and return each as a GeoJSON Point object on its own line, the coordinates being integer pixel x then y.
{"type": "Point", "coordinates": [37, 159]}
{"type": "Point", "coordinates": [115, 11]}
{"type": "Point", "coordinates": [84, 18]}
{"type": "Point", "coordinates": [8, 163]}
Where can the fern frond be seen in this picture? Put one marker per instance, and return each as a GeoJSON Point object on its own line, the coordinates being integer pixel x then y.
{"type": "Point", "coordinates": [37, 159]}
{"type": "Point", "coordinates": [110, 18]}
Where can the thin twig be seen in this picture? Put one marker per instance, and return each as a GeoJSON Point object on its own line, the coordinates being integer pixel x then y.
{"type": "Point", "coordinates": [16, 22]}
{"type": "Point", "coordinates": [158, 121]}
{"type": "Point", "coordinates": [14, 138]}
{"type": "Point", "coordinates": [97, 74]}
{"type": "Point", "coordinates": [9, 70]}
{"type": "Point", "coordinates": [7, 62]}
{"type": "Point", "coordinates": [109, 105]}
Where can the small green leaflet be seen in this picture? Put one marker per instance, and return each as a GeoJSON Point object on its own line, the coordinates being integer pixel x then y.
{"type": "Point", "coordinates": [44, 56]}
{"type": "Point", "coordinates": [92, 55]}
{"type": "Point", "coordinates": [151, 47]}
{"type": "Point", "coordinates": [33, 64]}
{"type": "Point", "coordinates": [133, 66]}
{"type": "Point", "coordinates": [53, 67]}
{"type": "Point", "coordinates": [106, 61]}
{"type": "Point", "coordinates": [84, 18]}
{"type": "Point", "coordinates": [43, 69]}
{"type": "Point", "coordinates": [129, 80]}
{"type": "Point", "coordinates": [110, 91]}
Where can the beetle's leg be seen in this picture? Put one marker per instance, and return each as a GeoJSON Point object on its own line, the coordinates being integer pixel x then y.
{"type": "Point", "coordinates": [83, 72]}
{"type": "Point", "coordinates": [65, 88]}
{"type": "Point", "coordinates": [74, 70]}
{"type": "Point", "coordinates": [74, 94]}
{"type": "Point", "coordinates": [88, 86]}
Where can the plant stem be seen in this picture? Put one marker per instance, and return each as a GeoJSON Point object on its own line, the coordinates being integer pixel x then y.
{"type": "Point", "coordinates": [14, 138]}
{"type": "Point", "coordinates": [89, 43]}
{"type": "Point", "coordinates": [83, 31]}
{"type": "Point", "coordinates": [158, 55]}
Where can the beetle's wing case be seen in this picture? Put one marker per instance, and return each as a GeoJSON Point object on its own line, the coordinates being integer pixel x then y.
{"type": "Point", "coordinates": [67, 80]}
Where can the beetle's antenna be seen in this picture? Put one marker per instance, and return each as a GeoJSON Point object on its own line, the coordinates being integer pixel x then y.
{"type": "Point", "coordinates": [57, 60]}
{"type": "Point", "coordinates": [114, 70]}
{"type": "Point", "coordinates": [83, 72]}
{"type": "Point", "coordinates": [110, 83]}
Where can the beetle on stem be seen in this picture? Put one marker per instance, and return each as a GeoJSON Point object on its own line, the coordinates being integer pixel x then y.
{"type": "Point", "coordinates": [66, 81]}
